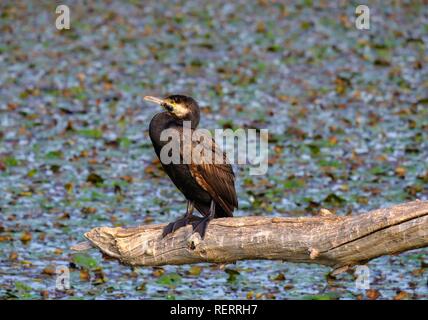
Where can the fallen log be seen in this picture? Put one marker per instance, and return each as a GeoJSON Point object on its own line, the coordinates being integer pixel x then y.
{"type": "Point", "coordinates": [336, 241]}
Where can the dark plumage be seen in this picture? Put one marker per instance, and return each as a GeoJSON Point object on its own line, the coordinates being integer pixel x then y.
{"type": "Point", "coordinates": [207, 186]}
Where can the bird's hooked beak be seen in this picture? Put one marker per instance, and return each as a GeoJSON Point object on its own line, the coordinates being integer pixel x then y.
{"type": "Point", "coordinates": [158, 101]}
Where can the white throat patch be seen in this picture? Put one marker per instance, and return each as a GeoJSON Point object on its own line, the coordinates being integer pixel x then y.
{"type": "Point", "coordinates": [180, 111]}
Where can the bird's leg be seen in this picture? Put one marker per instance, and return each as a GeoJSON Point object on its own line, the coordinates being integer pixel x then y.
{"type": "Point", "coordinates": [171, 227]}
{"type": "Point", "coordinates": [189, 210]}
{"type": "Point", "coordinates": [201, 226]}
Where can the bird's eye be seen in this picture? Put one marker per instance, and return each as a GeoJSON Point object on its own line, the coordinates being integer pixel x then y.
{"type": "Point", "coordinates": [168, 107]}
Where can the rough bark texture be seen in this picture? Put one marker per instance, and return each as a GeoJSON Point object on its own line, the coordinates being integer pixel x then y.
{"type": "Point", "coordinates": [327, 239]}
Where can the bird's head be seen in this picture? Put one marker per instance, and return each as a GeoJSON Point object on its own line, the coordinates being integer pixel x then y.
{"type": "Point", "coordinates": [180, 107]}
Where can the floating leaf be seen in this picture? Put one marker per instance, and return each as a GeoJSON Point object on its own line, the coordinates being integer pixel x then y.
{"type": "Point", "coordinates": [58, 154]}
{"type": "Point", "coordinates": [402, 295]}
{"type": "Point", "coordinates": [100, 277]}
{"type": "Point", "coordinates": [20, 286]}
{"type": "Point", "coordinates": [10, 162]}
{"type": "Point", "coordinates": [141, 287]}
{"type": "Point", "coordinates": [279, 277]}
{"type": "Point", "coordinates": [195, 270]}
{"type": "Point", "coordinates": [294, 183]}
{"type": "Point", "coordinates": [334, 200]}
{"type": "Point", "coordinates": [49, 270]}
{"type": "Point", "coordinates": [31, 173]}
{"type": "Point", "coordinates": [88, 210]}
{"type": "Point", "coordinates": [94, 178]}
{"type": "Point", "coordinates": [326, 296]}
{"type": "Point", "coordinates": [171, 279]}
{"type": "Point", "coordinates": [13, 256]}
{"type": "Point", "coordinates": [372, 294]}
{"type": "Point", "coordinates": [83, 260]}
{"type": "Point", "coordinates": [84, 275]}
{"type": "Point", "coordinates": [400, 171]}
{"type": "Point", "coordinates": [26, 236]}
{"type": "Point", "coordinates": [91, 133]}
{"type": "Point", "coordinates": [378, 170]}
{"type": "Point", "coordinates": [233, 274]}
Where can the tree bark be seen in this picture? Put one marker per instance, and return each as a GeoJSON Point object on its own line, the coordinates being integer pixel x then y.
{"type": "Point", "coordinates": [327, 239]}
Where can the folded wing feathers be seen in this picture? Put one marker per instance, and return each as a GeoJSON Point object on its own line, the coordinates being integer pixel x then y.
{"type": "Point", "coordinates": [217, 179]}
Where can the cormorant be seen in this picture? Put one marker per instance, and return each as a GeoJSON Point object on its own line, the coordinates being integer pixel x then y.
{"type": "Point", "coordinates": [209, 187]}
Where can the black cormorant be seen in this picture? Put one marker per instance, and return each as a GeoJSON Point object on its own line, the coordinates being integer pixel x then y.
{"type": "Point", "coordinates": [209, 187]}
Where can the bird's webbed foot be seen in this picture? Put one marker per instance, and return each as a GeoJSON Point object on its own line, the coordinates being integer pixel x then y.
{"type": "Point", "coordinates": [171, 227]}
{"type": "Point", "coordinates": [182, 222]}
{"type": "Point", "coordinates": [201, 225]}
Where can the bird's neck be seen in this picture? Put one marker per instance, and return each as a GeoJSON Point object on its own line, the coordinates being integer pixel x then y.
{"type": "Point", "coordinates": [160, 122]}
{"type": "Point", "coordinates": [192, 123]}
{"type": "Point", "coordinates": [163, 121]}
{"type": "Point", "coordinates": [193, 117]}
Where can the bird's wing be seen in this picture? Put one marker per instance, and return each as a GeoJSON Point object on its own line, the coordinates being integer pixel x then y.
{"type": "Point", "coordinates": [217, 179]}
